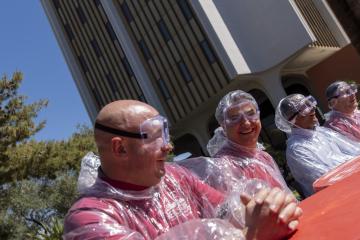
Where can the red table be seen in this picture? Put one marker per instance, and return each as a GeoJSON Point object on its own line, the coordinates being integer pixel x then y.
{"type": "Point", "coordinates": [333, 213]}
{"type": "Point", "coordinates": [342, 171]}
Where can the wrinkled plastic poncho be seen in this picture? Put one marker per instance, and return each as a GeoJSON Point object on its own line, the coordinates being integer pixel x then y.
{"type": "Point", "coordinates": [179, 207]}
{"type": "Point", "coordinates": [310, 153]}
{"type": "Point", "coordinates": [344, 124]}
{"type": "Point", "coordinates": [234, 168]}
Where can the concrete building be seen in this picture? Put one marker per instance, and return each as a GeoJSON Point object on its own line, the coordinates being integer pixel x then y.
{"type": "Point", "coordinates": [182, 56]}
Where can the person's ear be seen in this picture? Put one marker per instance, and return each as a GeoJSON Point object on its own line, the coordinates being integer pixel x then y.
{"type": "Point", "coordinates": [117, 146]}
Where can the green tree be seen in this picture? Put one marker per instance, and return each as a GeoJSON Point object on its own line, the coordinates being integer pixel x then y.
{"type": "Point", "coordinates": [16, 117]}
{"type": "Point", "coordinates": [46, 174]}
{"type": "Point", "coordinates": [37, 178]}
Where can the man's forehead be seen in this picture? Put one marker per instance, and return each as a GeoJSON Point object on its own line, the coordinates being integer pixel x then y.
{"type": "Point", "coordinates": [242, 107]}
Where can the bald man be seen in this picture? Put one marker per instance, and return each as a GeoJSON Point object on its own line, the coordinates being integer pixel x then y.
{"type": "Point", "coordinates": [138, 196]}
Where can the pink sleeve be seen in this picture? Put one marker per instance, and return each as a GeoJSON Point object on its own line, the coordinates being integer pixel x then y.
{"type": "Point", "coordinates": [95, 223]}
{"type": "Point", "coordinates": [345, 128]}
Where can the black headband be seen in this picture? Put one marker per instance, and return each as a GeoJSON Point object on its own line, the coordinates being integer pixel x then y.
{"type": "Point", "coordinates": [120, 132]}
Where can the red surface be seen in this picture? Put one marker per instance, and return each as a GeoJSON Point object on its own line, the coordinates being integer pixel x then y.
{"type": "Point", "coordinates": [342, 171]}
{"type": "Point", "coordinates": [333, 213]}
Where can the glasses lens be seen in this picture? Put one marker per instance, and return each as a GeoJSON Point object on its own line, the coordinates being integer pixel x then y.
{"type": "Point", "coordinates": [156, 130]}
{"type": "Point", "coordinates": [307, 105]}
{"type": "Point", "coordinates": [235, 114]}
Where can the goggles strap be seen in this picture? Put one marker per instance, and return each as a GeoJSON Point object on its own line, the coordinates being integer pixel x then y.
{"type": "Point", "coordinates": [120, 132]}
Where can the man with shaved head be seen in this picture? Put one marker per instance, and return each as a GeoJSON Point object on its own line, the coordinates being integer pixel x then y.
{"type": "Point", "coordinates": [136, 195]}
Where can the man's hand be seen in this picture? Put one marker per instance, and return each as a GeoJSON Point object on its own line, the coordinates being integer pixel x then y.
{"type": "Point", "coordinates": [271, 214]}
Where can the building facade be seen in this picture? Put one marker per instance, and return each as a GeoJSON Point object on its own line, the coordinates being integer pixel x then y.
{"type": "Point", "coordinates": [182, 56]}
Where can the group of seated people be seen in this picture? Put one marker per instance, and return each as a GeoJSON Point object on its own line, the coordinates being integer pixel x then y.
{"type": "Point", "coordinates": [130, 192]}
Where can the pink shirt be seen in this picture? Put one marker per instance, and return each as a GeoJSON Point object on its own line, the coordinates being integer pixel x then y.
{"type": "Point", "coordinates": [344, 124]}
{"type": "Point", "coordinates": [251, 164]}
{"type": "Point", "coordinates": [178, 198]}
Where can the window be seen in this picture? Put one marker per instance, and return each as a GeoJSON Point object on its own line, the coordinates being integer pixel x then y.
{"type": "Point", "coordinates": [127, 67]}
{"type": "Point", "coordinates": [164, 90]}
{"type": "Point", "coordinates": [83, 64]}
{"type": "Point", "coordinates": [126, 10]}
{"type": "Point", "coordinates": [185, 9]}
{"type": "Point", "coordinates": [111, 82]}
{"type": "Point", "coordinates": [81, 15]}
{"type": "Point", "coordinates": [69, 32]}
{"type": "Point", "coordinates": [96, 48]}
{"type": "Point", "coordinates": [207, 51]}
{"type": "Point", "coordinates": [110, 31]}
{"type": "Point", "coordinates": [185, 71]}
{"type": "Point", "coordinates": [145, 50]}
{"type": "Point", "coordinates": [164, 30]}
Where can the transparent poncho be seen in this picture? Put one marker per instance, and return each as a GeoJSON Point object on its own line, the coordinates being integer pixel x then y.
{"type": "Point", "coordinates": [310, 153]}
{"type": "Point", "coordinates": [179, 207]}
{"type": "Point", "coordinates": [348, 125]}
{"type": "Point", "coordinates": [234, 168]}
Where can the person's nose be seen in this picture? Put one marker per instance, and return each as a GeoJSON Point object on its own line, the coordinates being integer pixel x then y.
{"type": "Point", "coordinates": [168, 147]}
{"type": "Point", "coordinates": [243, 121]}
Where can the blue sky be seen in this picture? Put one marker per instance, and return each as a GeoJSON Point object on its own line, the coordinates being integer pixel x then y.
{"type": "Point", "coordinates": [28, 44]}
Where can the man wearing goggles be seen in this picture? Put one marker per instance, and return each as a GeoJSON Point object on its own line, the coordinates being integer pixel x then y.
{"type": "Point", "coordinates": [311, 150]}
{"type": "Point", "coordinates": [136, 195]}
{"type": "Point", "coordinates": [344, 116]}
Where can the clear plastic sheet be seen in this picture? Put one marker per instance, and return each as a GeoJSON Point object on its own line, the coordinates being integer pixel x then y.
{"type": "Point", "coordinates": [310, 153]}
{"type": "Point", "coordinates": [234, 167]}
{"type": "Point", "coordinates": [104, 211]}
{"type": "Point", "coordinates": [216, 142]}
{"type": "Point", "coordinates": [88, 172]}
{"type": "Point", "coordinates": [203, 230]}
{"type": "Point", "coordinates": [344, 124]}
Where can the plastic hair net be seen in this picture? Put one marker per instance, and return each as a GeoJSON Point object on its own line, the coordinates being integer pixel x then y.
{"type": "Point", "coordinates": [104, 211]}
{"type": "Point", "coordinates": [286, 109]}
{"type": "Point", "coordinates": [312, 153]}
{"type": "Point", "coordinates": [344, 124]}
{"type": "Point", "coordinates": [332, 89]}
{"type": "Point", "coordinates": [341, 89]}
{"type": "Point", "coordinates": [234, 166]}
{"type": "Point", "coordinates": [232, 98]}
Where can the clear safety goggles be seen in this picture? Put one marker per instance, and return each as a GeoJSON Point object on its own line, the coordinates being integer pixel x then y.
{"type": "Point", "coordinates": [304, 107]}
{"type": "Point", "coordinates": [152, 131]}
{"type": "Point", "coordinates": [245, 110]}
{"type": "Point", "coordinates": [346, 91]}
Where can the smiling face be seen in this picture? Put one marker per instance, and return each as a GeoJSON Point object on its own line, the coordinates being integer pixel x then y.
{"type": "Point", "coordinates": [242, 124]}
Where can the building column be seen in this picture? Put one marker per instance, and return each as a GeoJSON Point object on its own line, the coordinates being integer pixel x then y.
{"type": "Point", "coordinates": [203, 137]}
{"type": "Point", "coordinates": [271, 81]}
